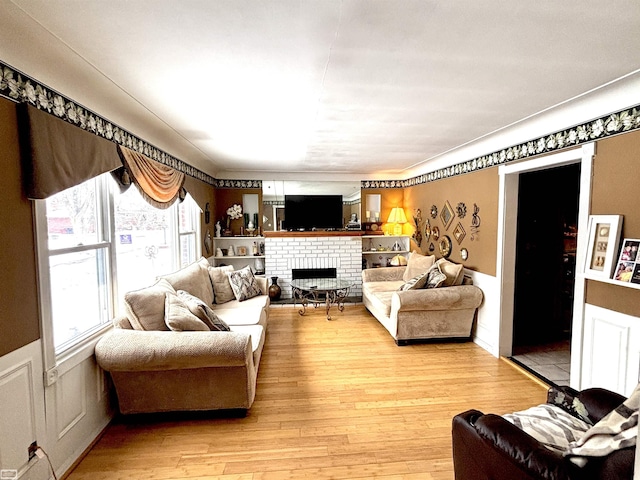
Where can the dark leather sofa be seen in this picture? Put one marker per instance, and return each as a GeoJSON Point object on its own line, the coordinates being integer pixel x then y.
{"type": "Point", "coordinates": [487, 447]}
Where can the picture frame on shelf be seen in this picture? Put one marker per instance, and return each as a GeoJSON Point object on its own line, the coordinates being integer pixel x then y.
{"type": "Point", "coordinates": [628, 267]}
{"type": "Point", "coordinates": [603, 236]}
{"type": "Point", "coordinates": [241, 251]}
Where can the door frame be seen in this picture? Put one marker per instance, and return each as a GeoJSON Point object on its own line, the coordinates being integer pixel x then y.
{"type": "Point", "coordinates": [506, 248]}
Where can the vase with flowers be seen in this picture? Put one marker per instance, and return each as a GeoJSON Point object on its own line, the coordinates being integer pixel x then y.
{"type": "Point", "coordinates": [233, 213]}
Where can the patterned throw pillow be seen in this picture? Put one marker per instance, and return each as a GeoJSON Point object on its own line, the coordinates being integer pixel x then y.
{"type": "Point", "coordinates": [201, 310]}
{"type": "Point", "coordinates": [416, 283]}
{"type": "Point", "coordinates": [244, 284]}
{"type": "Point", "coordinates": [178, 317]}
{"type": "Point", "coordinates": [435, 278]}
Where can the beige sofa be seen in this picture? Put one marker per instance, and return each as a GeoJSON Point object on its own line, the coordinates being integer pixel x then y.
{"type": "Point", "coordinates": [419, 313]}
{"type": "Point", "coordinates": [156, 369]}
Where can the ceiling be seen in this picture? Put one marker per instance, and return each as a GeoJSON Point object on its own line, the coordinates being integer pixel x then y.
{"type": "Point", "coordinates": [260, 88]}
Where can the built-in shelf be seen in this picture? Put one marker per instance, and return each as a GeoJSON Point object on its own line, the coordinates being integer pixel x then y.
{"type": "Point", "coordinates": [611, 281]}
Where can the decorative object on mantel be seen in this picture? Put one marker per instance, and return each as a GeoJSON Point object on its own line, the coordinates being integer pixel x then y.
{"type": "Point", "coordinates": [397, 217]}
{"type": "Point", "coordinates": [434, 211]}
{"type": "Point", "coordinates": [218, 229]}
{"type": "Point", "coordinates": [417, 219]}
{"type": "Point", "coordinates": [372, 228]}
{"type": "Point", "coordinates": [604, 236]}
{"type": "Point", "coordinates": [475, 223]}
{"type": "Point", "coordinates": [231, 251]}
{"type": "Point", "coordinates": [445, 246]}
{"type": "Point", "coordinates": [461, 210]}
{"type": "Point", "coordinates": [435, 232]}
{"type": "Point", "coordinates": [459, 233]}
{"type": "Point", "coordinates": [447, 215]}
{"type": "Point", "coordinates": [464, 253]}
{"type": "Point", "coordinates": [274, 289]}
{"type": "Point", "coordinates": [233, 213]}
{"type": "Point", "coordinates": [628, 269]}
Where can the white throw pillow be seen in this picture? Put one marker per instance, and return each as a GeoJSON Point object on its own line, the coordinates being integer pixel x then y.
{"type": "Point", "coordinates": [244, 284]}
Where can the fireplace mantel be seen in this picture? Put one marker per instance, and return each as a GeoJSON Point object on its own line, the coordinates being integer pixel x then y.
{"type": "Point", "coordinates": [316, 233]}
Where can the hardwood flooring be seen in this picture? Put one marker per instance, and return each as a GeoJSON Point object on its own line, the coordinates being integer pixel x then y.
{"type": "Point", "coordinates": [335, 399]}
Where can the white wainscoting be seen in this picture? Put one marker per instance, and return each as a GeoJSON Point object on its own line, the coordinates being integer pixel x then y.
{"type": "Point", "coordinates": [611, 350]}
{"type": "Point", "coordinates": [22, 419]}
{"type": "Point", "coordinates": [486, 332]}
{"type": "Point", "coordinates": [76, 405]}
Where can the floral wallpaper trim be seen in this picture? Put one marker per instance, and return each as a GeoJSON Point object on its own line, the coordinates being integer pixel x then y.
{"type": "Point", "coordinates": [606, 126]}
{"type": "Point", "coordinates": [19, 87]}
{"type": "Point", "coordinates": [237, 184]}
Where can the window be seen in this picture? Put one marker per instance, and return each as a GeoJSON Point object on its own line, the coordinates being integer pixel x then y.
{"type": "Point", "coordinates": [95, 244]}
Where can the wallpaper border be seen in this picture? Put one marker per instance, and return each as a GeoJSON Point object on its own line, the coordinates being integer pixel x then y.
{"type": "Point", "coordinates": [606, 126]}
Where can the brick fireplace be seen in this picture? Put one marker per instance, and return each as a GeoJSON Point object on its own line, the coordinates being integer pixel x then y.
{"type": "Point", "coordinates": [287, 251]}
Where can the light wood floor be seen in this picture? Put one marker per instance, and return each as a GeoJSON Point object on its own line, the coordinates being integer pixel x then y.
{"type": "Point", "coordinates": [335, 400]}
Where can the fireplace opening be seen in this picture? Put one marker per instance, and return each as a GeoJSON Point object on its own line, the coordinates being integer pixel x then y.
{"type": "Point", "coordinates": [306, 273]}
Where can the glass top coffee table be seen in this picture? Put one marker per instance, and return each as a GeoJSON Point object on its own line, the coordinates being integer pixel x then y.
{"type": "Point", "coordinates": [318, 291]}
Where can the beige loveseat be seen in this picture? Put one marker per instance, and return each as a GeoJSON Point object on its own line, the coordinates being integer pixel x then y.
{"type": "Point", "coordinates": [162, 359]}
{"type": "Point", "coordinates": [399, 298]}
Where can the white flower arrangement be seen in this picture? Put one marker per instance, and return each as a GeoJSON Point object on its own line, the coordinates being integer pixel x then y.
{"type": "Point", "coordinates": [235, 211]}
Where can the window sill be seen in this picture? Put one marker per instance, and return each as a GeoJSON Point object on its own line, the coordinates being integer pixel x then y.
{"type": "Point", "coordinates": [83, 349]}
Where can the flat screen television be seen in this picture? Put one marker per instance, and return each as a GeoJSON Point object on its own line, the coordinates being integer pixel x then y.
{"type": "Point", "coordinates": [306, 212]}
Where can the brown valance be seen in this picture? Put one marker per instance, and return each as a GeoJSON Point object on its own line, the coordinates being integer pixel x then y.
{"type": "Point", "coordinates": [159, 184]}
{"type": "Point", "coordinates": [57, 155]}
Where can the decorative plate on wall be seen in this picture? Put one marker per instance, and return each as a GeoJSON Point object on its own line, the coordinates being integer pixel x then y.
{"type": "Point", "coordinates": [435, 231]}
{"type": "Point", "coordinates": [461, 210]}
{"type": "Point", "coordinates": [427, 230]}
{"type": "Point", "coordinates": [464, 253]}
{"type": "Point", "coordinates": [445, 246]}
{"type": "Point", "coordinates": [434, 211]}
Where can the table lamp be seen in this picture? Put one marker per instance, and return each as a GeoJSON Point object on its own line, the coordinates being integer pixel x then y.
{"type": "Point", "coordinates": [397, 217]}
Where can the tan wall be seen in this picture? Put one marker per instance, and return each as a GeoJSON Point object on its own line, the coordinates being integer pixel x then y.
{"type": "Point", "coordinates": [616, 173]}
{"type": "Point", "coordinates": [203, 193]}
{"type": "Point", "coordinates": [225, 198]}
{"type": "Point", "coordinates": [479, 187]}
{"type": "Point", "coordinates": [19, 320]}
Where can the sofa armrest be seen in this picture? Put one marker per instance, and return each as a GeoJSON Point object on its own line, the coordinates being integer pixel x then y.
{"type": "Point", "coordinates": [598, 402]}
{"type": "Point", "coordinates": [446, 298]}
{"type": "Point", "coordinates": [383, 274]}
{"type": "Point", "coordinates": [263, 284]}
{"type": "Point", "coordinates": [136, 350]}
{"type": "Point", "coordinates": [503, 449]}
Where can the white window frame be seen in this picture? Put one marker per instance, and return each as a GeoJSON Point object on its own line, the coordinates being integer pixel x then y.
{"type": "Point", "coordinates": [82, 347]}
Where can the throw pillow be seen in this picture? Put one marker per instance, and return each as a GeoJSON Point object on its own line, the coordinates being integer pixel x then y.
{"type": "Point", "coordinates": [194, 279]}
{"type": "Point", "coordinates": [416, 283]}
{"type": "Point", "coordinates": [145, 307]}
{"type": "Point", "coordinates": [178, 317]}
{"type": "Point", "coordinates": [203, 312]}
{"type": "Point", "coordinates": [221, 286]}
{"type": "Point", "coordinates": [453, 271]}
{"type": "Point", "coordinates": [244, 284]}
{"type": "Point", "coordinates": [435, 278]}
{"type": "Point", "coordinates": [417, 264]}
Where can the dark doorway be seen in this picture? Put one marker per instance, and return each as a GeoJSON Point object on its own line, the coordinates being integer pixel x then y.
{"type": "Point", "coordinates": [545, 270]}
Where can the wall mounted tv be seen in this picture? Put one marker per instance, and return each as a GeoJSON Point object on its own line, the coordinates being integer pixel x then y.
{"type": "Point", "coordinates": [306, 212]}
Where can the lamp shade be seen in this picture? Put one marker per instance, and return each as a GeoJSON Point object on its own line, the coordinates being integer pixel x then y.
{"type": "Point", "coordinates": [397, 216]}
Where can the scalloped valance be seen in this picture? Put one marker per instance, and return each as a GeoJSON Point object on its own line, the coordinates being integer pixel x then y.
{"type": "Point", "coordinates": [159, 184]}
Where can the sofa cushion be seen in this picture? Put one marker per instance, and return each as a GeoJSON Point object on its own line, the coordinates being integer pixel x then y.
{"type": "Point", "coordinates": [221, 286]}
{"type": "Point", "coordinates": [248, 312]}
{"type": "Point", "coordinates": [179, 318]}
{"type": "Point", "coordinates": [416, 283]}
{"type": "Point", "coordinates": [201, 310]}
{"type": "Point", "coordinates": [244, 284]}
{"type": "Point", "coordinates": [417, 264]}
{"type": "Point", "coordinates": [435, 278]}
{"type": "Point", "coordinates": [194, 279]}
{"type": "Point", "coordinates": [145, 307]}
{"type": "Point", "coordinates": [453, 271]}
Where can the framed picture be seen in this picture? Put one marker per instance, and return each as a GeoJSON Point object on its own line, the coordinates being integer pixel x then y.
{"type": "Point", "coordinates": [604, 235]}
{"type": "Point", "coordinates": [447, 215]}
{"type": "Point", "coordinates": [241, 251]}
{"type": "Point", "coordinates": [459, 233]}
{"type": "Point", "coordinates": [628, 266]}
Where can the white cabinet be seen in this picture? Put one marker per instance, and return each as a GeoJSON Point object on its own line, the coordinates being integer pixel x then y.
{"type": "Point", "coordinates": [378, 250]}
{"type": "Point", "coordinates": [239, 252]}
